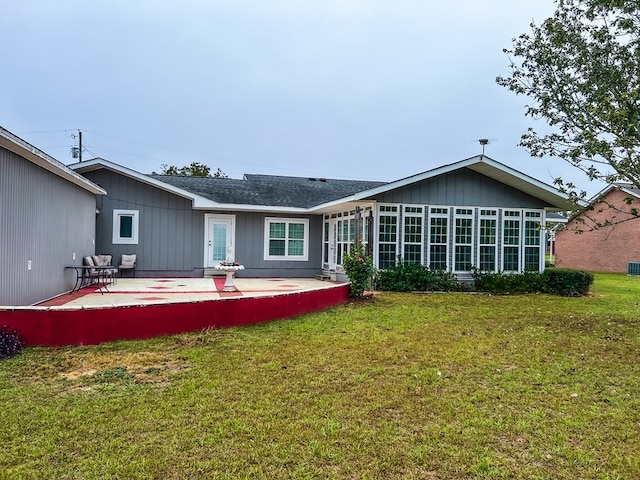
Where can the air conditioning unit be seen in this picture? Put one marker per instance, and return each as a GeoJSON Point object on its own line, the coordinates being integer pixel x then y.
{"type": "Point", "coordinates": [633, 268]}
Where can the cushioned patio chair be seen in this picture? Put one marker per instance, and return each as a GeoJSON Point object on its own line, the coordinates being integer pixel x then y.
{"type": "Point", "coordinates": [89, 275]}
{"type": "Point", "coordinates": [128, 262]}
{"type": "Point", "coordinates": [105, 261]}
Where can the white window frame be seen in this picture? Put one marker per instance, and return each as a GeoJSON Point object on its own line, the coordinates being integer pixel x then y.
{"type": "Point", "coordinates": [413, 211]}
{"type": "Point", "coordinates": [135, 221]}
{"type": "Point", "coordinates": [536, 216]}
{"type": "Point", "coordinates": [462, 213]}
{"type": "Point", "coordinates": [296, 258]}
{"type": "Point", "coordinates": [488, 213]}
{"type": "Point", "coordinates": [388, 210]}
{"type": "Point", "coordinates": [503, 246]}
{"type": "Point", "coordinates": [432, 209]}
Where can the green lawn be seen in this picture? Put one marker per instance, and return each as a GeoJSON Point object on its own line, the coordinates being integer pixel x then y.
{"type": "Point", "coordinates": [408, 386]}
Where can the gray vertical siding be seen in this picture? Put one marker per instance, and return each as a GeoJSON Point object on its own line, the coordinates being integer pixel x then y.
{"type": "Point", "coordinates": [171, 233]}
{"type": "Point", "coordinates": [250, 248]}
{"type": "Point", "coordinates": [461, 187]}
{"type": "Point", "coordinates": [44, 219]}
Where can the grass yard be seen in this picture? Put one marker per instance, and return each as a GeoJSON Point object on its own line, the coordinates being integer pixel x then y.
{"type": "Point", "coordinates": [409, 386]}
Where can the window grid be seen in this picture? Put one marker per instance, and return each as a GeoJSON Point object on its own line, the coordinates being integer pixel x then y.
{"type": "Point", "coordinates": [531, 258]}
{"type": "Point", "coordinates": [487, 239]}
{"type": "Point", "coordinates": [387, 237]}
{"type": "Point", "coordinates": [413, 238]}
{"type": "Point", "coordinates": [438, 239]}
{"type": "Point", "coordinates": [511, 241]}
{"type": "Point", "coordinates": [463, 241]}
{"type": "Point", "coordinates": [531, 233]}
{"type": "Point", "coordinates": [286, 239]}
{"type": "Point", "coordinates": [510, 260]}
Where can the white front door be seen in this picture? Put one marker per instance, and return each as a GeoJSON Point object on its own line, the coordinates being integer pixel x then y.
{"type": "Point", "coordinates": [333, 245]}
{"type": "Point", "coordinates": [219, 239]}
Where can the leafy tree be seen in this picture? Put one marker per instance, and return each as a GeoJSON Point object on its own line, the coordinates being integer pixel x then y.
{"type": "Point", "coordinates": [194, 170]}
{"type": "Point", "coordinates": [581, 69]}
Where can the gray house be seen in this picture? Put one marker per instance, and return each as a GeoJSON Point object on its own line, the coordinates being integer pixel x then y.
{"type": "Point", "coordinates": [475, 212]}
{"type": "Point", "coordinates": [47, 221]}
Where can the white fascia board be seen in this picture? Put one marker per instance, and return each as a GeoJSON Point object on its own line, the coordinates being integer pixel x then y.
{"type": "Point", "coordinates": [481, 164]}
{"type": "Point", "coordinates": [330, 206]}
{"type": "Point", "coordinates": [198, 202]}
{"type": "Point", "coordinates": [36, 156]}
{"type": "Point", "coordinates": [251, 208]}
{"type": "Point", "coordinates": [398, 183]}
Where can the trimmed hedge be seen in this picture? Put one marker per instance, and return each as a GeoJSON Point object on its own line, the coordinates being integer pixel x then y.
{"type": "Point", "coordinates": [568, 283]}
{"type": "Point", "coordinates": [556, 281]}
{"type": "Point", "coordinates": [411, 277]}
{"type": "Point", "coordinates": [500, 283]}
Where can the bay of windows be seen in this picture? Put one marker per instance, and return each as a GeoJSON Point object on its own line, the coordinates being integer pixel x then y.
{"type": "Point", "coordinates": [459, 238]}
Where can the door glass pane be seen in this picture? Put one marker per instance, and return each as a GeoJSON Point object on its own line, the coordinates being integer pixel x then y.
{"type": "Point", "coordinates": [219, 242]}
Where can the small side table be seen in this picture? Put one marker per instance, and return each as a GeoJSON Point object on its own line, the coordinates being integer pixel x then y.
{"type": "Point", "coordinates": [230, 270]}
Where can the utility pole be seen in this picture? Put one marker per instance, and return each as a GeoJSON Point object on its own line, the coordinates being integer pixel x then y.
{"type": "Point", "coordinates": [80, 145]}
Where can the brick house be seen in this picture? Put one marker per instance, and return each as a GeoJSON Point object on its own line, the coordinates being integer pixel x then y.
{"type": "Point", "coordinates": [608, 248]}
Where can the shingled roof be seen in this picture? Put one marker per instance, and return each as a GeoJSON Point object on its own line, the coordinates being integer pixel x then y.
{"type": "Point", "coordinates": [269, 190]}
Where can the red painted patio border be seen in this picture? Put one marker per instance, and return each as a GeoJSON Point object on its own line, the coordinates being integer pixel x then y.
{"type": "Point", "coordinates": [59, 326]}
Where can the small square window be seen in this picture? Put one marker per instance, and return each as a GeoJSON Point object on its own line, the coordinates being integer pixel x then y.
{"type": "Point", "coordinates": [125, 227]}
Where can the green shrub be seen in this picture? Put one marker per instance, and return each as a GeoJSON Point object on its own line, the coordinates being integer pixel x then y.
{"type": "Point", "coordinates": [563, 282]}
{"type": "Point", "coordinates": [568, 283]}
{"type": "Point", "coordinates": [358, 266]}
{"type": "Point", "coordinates": [409, 277]}
{"type": "Point", "coordinates": [501, 283]}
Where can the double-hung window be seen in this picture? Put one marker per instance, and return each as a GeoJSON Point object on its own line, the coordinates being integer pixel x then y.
{"type": "Point", "coordinates": [532, 237]}
{"type": "Point", "coordinates": [286, 239]}
{"type": "Point", "coordinates": [412, 235]}
{"type": "Point", "coordinates": [438, 238]}
{"type": "Point", "coordinates": [125, 227]}
{"type": "Point", "coordinates": [487, 240]}
{"type": "Point", "coordinates": [463, 239]}
{"type": "Point", "coordinates": [387, 236]}
{"type": "Point", "coordinates": [511, 241]}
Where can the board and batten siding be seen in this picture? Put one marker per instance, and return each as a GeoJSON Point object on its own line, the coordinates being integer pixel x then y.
{"type": "Point", "coordinates": [44, 220]}
{"type": "Point", "coordinates": [250, 238]}
{"type": "Point", "coordinates": [463, 188]}
{"type": "Point", "coordinates": [170, 234]}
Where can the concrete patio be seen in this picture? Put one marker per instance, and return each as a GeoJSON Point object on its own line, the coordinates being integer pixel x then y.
{"type": "Point", "coordinates": [141, 308]}
{"type": "Point", "coordinates": [150, 291]}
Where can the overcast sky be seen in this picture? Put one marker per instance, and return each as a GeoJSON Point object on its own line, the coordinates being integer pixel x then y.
{"type": "Point", "coordinates": [358, 89]}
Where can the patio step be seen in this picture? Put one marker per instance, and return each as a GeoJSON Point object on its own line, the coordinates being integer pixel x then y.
{"type": "Point", "coordinates": [325, 277]}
